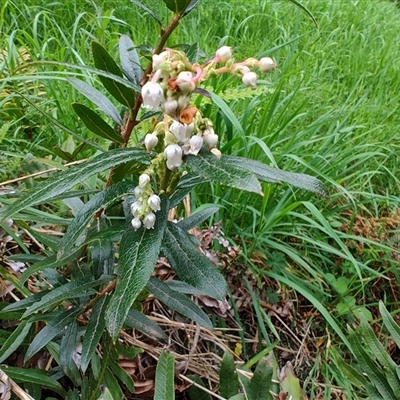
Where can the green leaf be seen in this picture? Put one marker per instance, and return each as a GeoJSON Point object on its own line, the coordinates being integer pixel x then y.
{"type": "Point", "coordinates": [390, 324]}
{"type": "Point", "coordinates": [123, 376]}
{"type": "Point", "coordinates": [148, 11]}
{"type": "Point", "coordinates": [195, 391]}
{"type": "Point", "coordinates": [274, 175]}
{"type": "Point", "coordinates": [53, 328]}
{"type": "Point", "coordinates": [139, 251]}
{"type": "Point", "coordinates": [217, 170]}
{"type": "Point", "coordinates": [98, 98]}
{"type": "Point", "coordinates": [185, 186]}
{"type": "Point", "coordinates": [177, 6]}
{"type": "Point", "coordinates": [24, 303]}
{"type": "Point", "coordinates": [290, 383]}
{"type": "Point", "coordinates": [111, 383]}
{"type": "Point", "coordinates": [66, 351]}
{"type": "Point", "coordinates": [139, 321]}
{"type": "Point", "coordinates": [102, 200]}
{"type": "Point", "coordinates": [228, 378]}
{"type": "Point", "coordinates": [164, 385]}
{"type": "Point", "coordinates": [106, 394]}
{"type": "Point", "coordinates": [65, 180]}
{"type": "Point", "coordinates": [78, 288]}
{"type": "Point", "coordinates": [192, 266]}
{"type": "Point", "coordinates": [105, 62]}
{"type": "Point", "coordinates": [14, 340]}
{"type": "Point", "coordinates": [261, 383]}
{"type": "Point", "coordinates": [93, 332]}
{"type": "Point", "coordinates": [197, 218]}
{"type": "Point", "coordinates": [36, 376]}
{"type": "Point", "coordinates": [190, 7]}
{"type": "Point", "coordinates": [96, 124]}
{"type": "Point", "coordinates": [129, 59]}
{"type": "Point", "coordinates": [178, 302]}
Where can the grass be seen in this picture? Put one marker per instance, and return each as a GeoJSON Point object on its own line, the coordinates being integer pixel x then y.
{"type": "Point", "coordinates": [330, 110]}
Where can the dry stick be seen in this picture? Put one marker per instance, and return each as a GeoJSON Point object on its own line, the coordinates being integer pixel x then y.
{"type": "Point", "coordinates": [201, 387]}
{"type": "Point", "coordinates": [10, 384]}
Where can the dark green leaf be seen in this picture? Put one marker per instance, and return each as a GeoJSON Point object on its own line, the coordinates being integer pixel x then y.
{"type": "Point", "coordinates": [123, 376]}
{"type": "Point", "coordinates": [390, 324]}
{"type": "Point", "coordinates": [165, 386]}
{"type": "Point", "coordinates": [192, 266]}
{"type": "Point", "coordinates": [65, 180]}
{"type": "Point", "coordinates": [183, 287]}
{"type": "Point", "coordinates": [14, 340]}
{"type": "Point", "coordinates": [129, 59]}
{"type": "Point", "coordinates": [217, 170]}
{"type": "Point", "coordinates": [177, 6]}
{"type": "Point", "coordinates": [195, 391]}
{"type": "Point", "coordinates": [138, 254]}
{"type": "Point", "coordinates": [261, 383]}
{"type": "Point", "coordinates": [139, 321]}
{"type": "Point", "coordinates": [197, 218]}
{"type": "Point", "coordinates": [102, 200]}
{"type": "Point", "coordinates": [185, 186]}
{"type": "Point", "coordinates": [94, 331]}
{"type": "Point", "coordinates": [228, 378]}
{"type": "Point", "coordinates": [148, 11]}
{"type": "Point", "coordinates": [37, 376]}
{"type": "Point", "coordinates": [193, 53]}
{"type": "Point", "coordinates": [67, 348]}
{"type": "Point", "coordinates": [24, 303]}
{"type": "Point", "coordinates": [97, 98]}
{"type": "Point", "coordinates": [178, 302]}
{"type": "Point", "coordinates": [105, 62]}
{"type": "Point", "coordinates": [112, 384]}
{"type": "Point", "coordinates": [273, 175]}
{"type": "Point", "coordinates": [106, 394]}
{"type": "Point", "coordinates": [96, 124]}
{"type": "Point", "coordinates": [53, 328]}
{"type": "Point", "coordinates": [190, 7]}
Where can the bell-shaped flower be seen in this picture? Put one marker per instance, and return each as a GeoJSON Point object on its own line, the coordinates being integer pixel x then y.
{"type": "Point", "coordinates": [211, 140]}
{"type": "Point", "coordinates": [266, 64]}
{"type": "Point", "coordinates": [136, 223]}
{"type": "Point", "coordinates": [182, 132]}
{"type": "Point", "coordinates": [154, 202]}
{"type": "Point", "coordinates": [250, 79]}
{"type": "Point", "coordinates": [144, 179]}
{"type": "Point", "coordinates": [170, 106]}
{"type": "Point", "coordinates": [149, 220]}
{"type": "Point", "coordinates": [195, 144]}
{"type": "Point", "coordinates": [136, 207]}
{"type": "Point", "coordinates": [173, 154]}
{"type": "Point", "coordinates": [138, 191]}
{"type": "Point", "coordinates": [153, 95]}
{"type": "Point", "coordinates": [150, 141]}
{"type": "Point", "coordinates": [185, 82]}
{"type": "Point", "coordinates": [224, 54]}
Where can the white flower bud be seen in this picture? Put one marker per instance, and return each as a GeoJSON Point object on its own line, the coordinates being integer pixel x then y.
{"type": "Point", "coordinates": [185, 82]}
{"type": "Point", "coordinates": [209, 131]}
{"type": "Point", "coordinates": [224, 54]}
{"type": "Point", "coordinates": [149, 220]}
{"type": "Point", "coordinates": [211, 140]}
{"type": "Point", "coordinates": [266, 64]}
{"type": "Point", "coordinates": [242, 70]}
{"type": "Point", "coordinates": [154, 202]}
{"type": "Point", "coordinates": [152, 94]}
{"type": "Point", "coordinates": [170, 107]}
{"type": "Point", "coordinates": [150, 141]}
{"type": "Point", "coordinates": [216, 152]}
{"type": "Point", "coordinates": [158, 59]}
{"type": "Point", "coordinates": [138, 191]}
{"type": "Point", "coordinates": [144, 179]}
{"type": "Point", "coordinates": [250, 79]}
{"type": "Point", "coordinates": [173, 154]}
{"type": "Point", "coordinates": [136, 223]}
{"type": "Point", "coordinates": [136, 207]}
{"type": "Point", "coordinates": [183, 102]}
{"type": "Point", "coordinates": [195, 143]}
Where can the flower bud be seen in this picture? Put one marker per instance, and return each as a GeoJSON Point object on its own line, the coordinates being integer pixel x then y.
{"type": "Point", "coordinates": [250, 79]}
{"type": "Point", "coordinates": [144, 179]}
{"type": "Point", "coordinates": [136, 207]}
{"type": "Point", "coordinates": [170, 107]}
{"type": "Point", "coordinates": [149, 220]}
{"type": "Point", "coordinates": [224, 54]}
{"type": "Point", "coordinates": [211, 140]}
{"type": "Point", "coordinates": [173, 154]}
{"type": "Point", "coordinates": [138, 192]}
{"type": "Point", "coordinates": [136, 223]}
{"type": "Point", "coordinates": [154, 202]}
{"type": "Point", "coordinates": [266, 64]}
{"type": "Point", "coordinates": [150, 141]}
{"type": "Point", "coordinates": [216, 152]}
{"type": "Point", "coordinates": [185, 82]}
{"type": "Point", "coordinates": [195, 143]}
{"type": "Point", "coordinates": [241, 70]}
{"type": "Point", "coordinates": [152, 94]}
{"type": "Point", "coordinates": [158, 59]}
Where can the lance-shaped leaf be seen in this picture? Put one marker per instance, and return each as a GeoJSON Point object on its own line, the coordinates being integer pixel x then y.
{"type": "Point", "coordinates": [274, 175]}
{"type": "Point", "coordinates": [102, 200]}
{"type": "Point", "coordinates": [185, 186]}
{"type": "Point", "coordinates": [105, 62]}
{"type": "Point", "coordinates": [190, 7]}
{"type": "Point", "coordinates": [165, 385]}
{"type": "Point", "coordinates": [192, 266]}
{"type": "Point", "coordinates": [147, 10]}
{"type": "Point", "coordinates": [138, 254]}
{"type": "Point", "coordinates": [228, 377]}
{"type": "Point", "coordinates": [65, 180]}
{"type": "Point", "coordinates": [94, 330]}
{"type": "Point", "coordinates": [96, 124]}
{"type": "Point", "coordinates": [139, 321]}
{"type": "Point", "coordinates": [261, 382]}
{"type": "Point", "coordinates": [197, 218]}
{"type": "Point", "coordinates": [67, 348]}
{"type": "Point", "coordinates": [14, 340]}
{"type": "Point", "coordinates": [78, 288]}
{"type": "Point", "coordinates": [129, 59]}
{"type": "Point", "coordinates": [52, 329]}
{"type": "Point", "coordinates": [217, 170]}
{"type": "Point", "coordinates": [178, 302]}
{"type": "Point", "coordinates": [177, 6]}
{"type": "Point", "coordinates": [97, 98]}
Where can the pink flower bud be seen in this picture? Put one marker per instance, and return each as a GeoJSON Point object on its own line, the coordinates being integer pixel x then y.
{"type": "Point", "coordinates": [154, 202]}
{"type": "Point", "coordinates": [173, 154]}
{"type": "Point", "coordinates": [150, 141]}
{"type": "Point", "coordinates": [266, 64]}
{"type": "Point", "coordinates": [185, 82]}
{"type": "Point", "coordinates": [152, 94]}
{"type": "Point", "coordinates": [149, 220]}
{"type": "Point", "coordinates": [250, 79]}
{"type": "Point", "coordinates": [224, 54]}
{"type": "Point", "coordinates": [144, 179]}
{"type": "Point", "coordinates": [136, 223]}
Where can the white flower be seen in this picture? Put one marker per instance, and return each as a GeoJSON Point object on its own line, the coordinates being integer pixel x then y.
{"type": "Point", "coordinates": [136, 207]}
{"type": "Point", "coordinates": [185, 82]}
{"type": "Point", "coordinates": [195, 143]}
{"type": "Point", "coordinates": [149, 220]}
{"type": "Point", "coordinates": [158, 59]}
{"type": "Point", "coordinates": [153, 95]}
{"type": "Point", "coordinates": [173, 154]}
{"type": "Point", "coordinates": [138, 191]}
{"type": "Point", "coordinates": [150, 141]}
{"type": "Point", "coordinates": [211, 140]}
{"type": "Point", "coordinates": [136, 223]}
{"type": "Point", "coordinates": [250, 79]}
{"type": "Point", "coordinates": [154, 202]}
{"type": "Point", "coordinates": [266, 64]}
{"type": "Point", "coordinates": [170, 107]}
{"type": "Point", "coordinates": [144, 179]}
{"type": "Point", "coordinates": [224, 54]}
{"type": "Point", "coordinates": [182, 132]}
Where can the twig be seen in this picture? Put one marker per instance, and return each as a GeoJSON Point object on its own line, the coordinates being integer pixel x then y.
{"type": "Point", "coordinates": [201, 387]}
{"type": "Point", "coordinates": [14, 387]}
